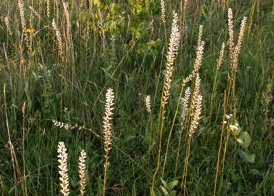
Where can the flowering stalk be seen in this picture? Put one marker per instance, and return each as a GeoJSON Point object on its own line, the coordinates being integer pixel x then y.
{"type": "Point", "coordinates": [82, 171]}
{"type": "Point", "coordinates": [63, 170]}
{"type": "Point", "coordinates": [107, 132]}
{"type": "Point", "coordinates": [171, 56]}
{"type": "Point", "coordinates": [184, 113]}
{"type": "Point", "coordinates": [234, 51]}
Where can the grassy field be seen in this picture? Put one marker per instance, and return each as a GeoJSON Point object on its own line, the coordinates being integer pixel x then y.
{"type": "Point", "coordinates": [137, 97]}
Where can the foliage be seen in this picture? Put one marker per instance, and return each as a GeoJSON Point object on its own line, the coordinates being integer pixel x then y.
{"type": "Point", "coordinates": [53, 78]}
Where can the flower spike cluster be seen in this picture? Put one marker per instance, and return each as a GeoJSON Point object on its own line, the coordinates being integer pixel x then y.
{"type": "Point", "coordinates": [107, 118]}
{"type": "Point", "coordinates": [63, 169]}
{"type": "Point", "coordinates": [171, 56]}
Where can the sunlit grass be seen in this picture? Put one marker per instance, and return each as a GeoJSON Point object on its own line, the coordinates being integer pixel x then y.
{"type": "Point", "coordinates": [59, 58]}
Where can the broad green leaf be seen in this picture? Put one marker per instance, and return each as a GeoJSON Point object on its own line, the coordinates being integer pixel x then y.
{"type": "Point", "coordinates": [244, 139]}
{"type": "Point", "coordinates": [172, 184]}
{"type": "Point", "coordinates": [247, 157]}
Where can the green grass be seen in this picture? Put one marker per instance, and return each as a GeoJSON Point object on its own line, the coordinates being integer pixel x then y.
{"type": "Point", "coordinates": [122, 45]}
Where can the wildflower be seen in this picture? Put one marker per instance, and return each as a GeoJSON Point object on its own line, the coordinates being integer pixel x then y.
{"type": "Point", "coordinates": [30, 30]}
{"type": "Point", "coordinates": [148, 104]}
{"type": "Point", "coordinates": [22, 60]}
{"type": "Point", "coordinates": [63, 170]}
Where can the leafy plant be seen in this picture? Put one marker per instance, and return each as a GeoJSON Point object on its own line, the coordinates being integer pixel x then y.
{"type": "Point", "coordinates": [168, 188]}
{"type": "Point", "coordinates": [243, 139]}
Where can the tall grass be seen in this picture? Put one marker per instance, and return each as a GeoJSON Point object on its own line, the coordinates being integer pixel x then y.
{"type": "Point", "coordinates": [193, 85]}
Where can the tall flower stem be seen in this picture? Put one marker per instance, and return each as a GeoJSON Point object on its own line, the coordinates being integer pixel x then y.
{"type": "Point", "coordinates": [107, 132]}
{"type": "Point", "coordinates": [63, 169]}
{"type": "Point", "coordinates": [171, 56]}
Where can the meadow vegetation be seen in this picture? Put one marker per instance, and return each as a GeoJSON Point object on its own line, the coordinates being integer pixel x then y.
{"type": "Point", "coordinates": [136, 97]}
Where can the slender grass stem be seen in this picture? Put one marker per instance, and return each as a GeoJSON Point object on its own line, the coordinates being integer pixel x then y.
{"type": "Point", "coordinates": [185, 171]}
{"type": "Point", "coordinates": [218, 166]}
{"type": "Point", "coordinates": [15, 165]}
{"type": "Point", "coordinates": [23, 149]}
